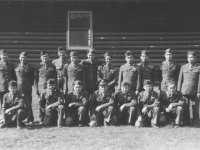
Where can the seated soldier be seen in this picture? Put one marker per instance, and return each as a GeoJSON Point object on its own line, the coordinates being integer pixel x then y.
{"type": "Point", "coordinates": [13, 107]}
{"type": "Point", "coordinates": [101, 106]}
{"type": "Point", "coordinates": [76, 105]}
{"type": "Point", "coordinates": [126, 104]}
{"type": "Point", "coordinates": [172, 104]}
{"type": "Point", "coordinates": [149, 104]}
{"type": "Point", "coordinates": [52, 104]}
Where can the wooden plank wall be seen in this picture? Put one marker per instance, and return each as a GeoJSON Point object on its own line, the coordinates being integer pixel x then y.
{"type": "Point", "coordinates": [118, 27]}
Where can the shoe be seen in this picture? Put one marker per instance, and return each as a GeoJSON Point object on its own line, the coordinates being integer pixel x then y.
{"type": "Point", "coordinates": [3, 125]}
{"type": "Point", "coordinates": [59, 126]}
{"type": "Point", "coordinates": [19, 127]}
{"type": "Point", "coordinates": [40, 123]}
{"type": "Point", "coordinates": [176, 126]}
{"type": "Point", "coordinates": [155, 126]}
{"type": "Point", "coordinates": [30, 123]}
{"type": "Point", "coordinates": [80, 125]}
{"type": "Point", "coordinates": [106, 124]}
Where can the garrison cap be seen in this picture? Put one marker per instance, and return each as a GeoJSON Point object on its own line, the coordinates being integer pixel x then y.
{"type": "Point", "coordinates": [24, 54]}
{"type": "Point", "coordinates": [78, 82]}
{"type": "Point", "coordinates": [107, 54]}
{"type": "Point", "coordinates": [147, 82]}
{"type": "Point", "coordinates": [103, 82]}
{"type": "Point", "coordinates": [12, 83]}
{"type": "Point", "coordinates": [191, 53]}
{"type": "Point", "coordinates": [3, 51]}
{"type": "Point", "coordinates": [146, 52]}
{"type": "Point", "coordinates": [123, 84]}
{"type": "Point", "coordinates": [128, 53]}
{"type": "Point", "coordinates": [73, 53]}
{"type": "Point", "coordinates": [44, 53]}
{"type": "Point", "coordinates": [51, 81]}
{"type": "Point", "coordinates": [168, 51]}
{"type": "Point", "coordinates": [91, 51]}
{"type": "Point", "coordinates": [61, 49]}
{"type": "Point", "coordinates": [171, 83]}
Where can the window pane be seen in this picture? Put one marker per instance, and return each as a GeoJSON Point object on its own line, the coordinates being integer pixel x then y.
{"type": "Point", "coordinates": [79, 20]}
{"type": "Point", "coordinates": [78, 37]}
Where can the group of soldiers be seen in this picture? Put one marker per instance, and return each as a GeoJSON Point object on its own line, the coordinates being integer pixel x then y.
{"type": "Point", "coordinates": [81, 93]}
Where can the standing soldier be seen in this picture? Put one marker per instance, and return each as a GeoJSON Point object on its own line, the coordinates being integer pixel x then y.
{"type": "Point", "coordinates": [91, 66]}
{"type": "Point", "coordinates": [107, 71]}
{"type": "Point", "coordinates": [25, 80]}
{"type": "Point", "coordinates": [60, 63]}
{"type": "Point", "coordinates": [148, 71]}
{"type": "Point", "coordinates": [7, 73]}
{"type": "Point", "coordinates": [168, 71]}
{"type": "Point", "coordinates": [189, 85]}
{"type": "Point", "coordinates": [73, 72]}
{"type": "Point", "coordinates": [42, 72]}
{"type": "Point", "coordinates": [130, 72]}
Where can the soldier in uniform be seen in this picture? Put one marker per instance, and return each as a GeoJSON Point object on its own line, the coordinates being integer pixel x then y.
{"type": "Point", "coordinates": [149, 104]}
{"type": "Point", "coordinates": [168, 71]}
{"type": "Point", "coordinates": [107, 71]}
{"type": "Point", "coordinates": [189, 85]}
{"type": "Point", "coordinates": [148, 71]}
{"type": "Point", "coordinates": [73, 72]}
{"type": "Point", "coordinates": [13, 107]}
{"type": "Point", "coordinates": [172, 103]}
{"type": "Point", "coordinates": [42, 72]}
{"type": "Point", "coordinates": [60, 64]}
{"type": "Point", "coordinates": [102, 106]}
{"type": "Point", "coordinates": [25, 80]}
{"type": "Point", "coordinates": [130, 72]}
{"type": "Point", "coordinates": [91, 66]}
{"type": "Point", "coordinates": [126, 104]}
{"type": "Point", "coordinates": [7, 73]}
{"type": "Point", "coordinates": [52, 105]}
{"type": "Point", "coordinates": [77, 102]}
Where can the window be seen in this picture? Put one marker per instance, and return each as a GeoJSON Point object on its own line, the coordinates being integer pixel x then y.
{"type": "Point", "coordinates": [79, 34]}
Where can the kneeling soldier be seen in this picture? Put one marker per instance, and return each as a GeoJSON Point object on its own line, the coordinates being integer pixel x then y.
{"type": "Point", "coordinates": [101, 106]}
{"type": "Point", "coordinates": [126, 103]}
{"type": "Point", "coordinates": [172, 103]}
{"type": "Point", "coordinates": [76, 103]}
{"type": "Point", "coordinates": [13, 107]}
{"type": "Point", "coordinates": [149, 103]}
{"type": "Point", "coordinates": [52, 104]}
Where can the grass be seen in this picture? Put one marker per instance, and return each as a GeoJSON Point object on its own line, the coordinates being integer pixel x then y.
{"type": "Point", "coordinates": [122, 137]}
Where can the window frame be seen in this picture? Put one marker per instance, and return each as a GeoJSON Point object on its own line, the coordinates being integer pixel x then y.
{"type": "Point", "coordinates": [91, 32]}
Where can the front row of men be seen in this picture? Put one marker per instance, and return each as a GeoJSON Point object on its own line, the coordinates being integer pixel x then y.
{"type": "Point", "coordinates": [103, 108]}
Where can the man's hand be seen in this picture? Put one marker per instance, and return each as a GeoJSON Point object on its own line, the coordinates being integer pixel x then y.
{"type": "Point", "coordinates": [167, 110]}
{"type": "Point", "coordinates": [140, 118]}
{"type": "Point", "coordinates": [122, 107]}
{"type": "Point", "coordinates": [198, 95]}
{"type": "Point", "coordinates": [170, 107]}
{"type": "Point", "coordinates": [71, 104]}
{"type": "Point", "coordinates": [136, 92]}
{"type": "Point", "coordinates": [98, 108]}
{"type": "Point", "coordinates": [144, 110]}
{"type": "Point", "coordinates": [49, 107]}
{"type": "Point", "coordinates": [7, 111]}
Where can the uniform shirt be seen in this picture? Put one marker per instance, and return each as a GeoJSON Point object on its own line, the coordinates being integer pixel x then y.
{"type": "Point", "coordinates": [42, 73]}
{"type": "Point", "coordinates": [73, 73]}
{"type": "Point", "coordinates": [98, 99]}
{"type": "Point", "coordinates": [91, 72]}
{"type": "Point", "coordinates": [168, 72]}
{"type": "Point", "coordinates": [7, 73]}
{"type": "Point", "coordinates": [130, 74]}
{"type": "Point", "coordinates": [53, 98]}
{"type": "Point", "coordinates": [189, 79]}
{"type": "Point", "coordinates": [110, 73]}
{"type": "Point", "coordinates": [25, 77]}
{"type": "Point", "coordinates": [60, 66]}
{"type": "Point", "coordinates": [82, 97]}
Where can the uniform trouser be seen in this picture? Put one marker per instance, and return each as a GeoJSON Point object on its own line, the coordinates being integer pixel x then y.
{"type": "Point", "coordinates": [76, 114]}
{"type": "Point", "coordinates": [60, 82]}
{"type": "Point", "coordinates": [1, 100]}
{"type": "Point", "coordinates": [15, 117]}
{"type": "Point", "coordinates": [28, 102]}
{"type": "Point", "coordinates": [91, 90]}
{"type": "Point", "coordinates": [54, 116]}
{"type": "Point", "coordinates": [153, 114]}
{"type": "Point", "coordinates": [127, 115]}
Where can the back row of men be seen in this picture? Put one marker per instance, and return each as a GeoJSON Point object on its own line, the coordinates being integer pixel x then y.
{"type": "Point", "coordinates": [90, 73]}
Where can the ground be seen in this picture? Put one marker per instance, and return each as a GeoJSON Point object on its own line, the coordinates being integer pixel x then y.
{"type": "Point", "coordinates": [122, 137]}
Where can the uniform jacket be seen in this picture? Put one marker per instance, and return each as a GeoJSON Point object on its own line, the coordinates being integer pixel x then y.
{"type": "Point", "coordinates": [42, 74]}
{"type": "Point", "coordinates": [7, 73]}
{"type": "Point", "coordinates": [189, 79]}
{"type": "Point", "coordinates": [73, 73]}
{"type": "Point", "coordinates": [168, 73]}
{"type": "Point", "coordinates": [60, 66]}
{"type": "Point", "coordinates": [25, 77]}
{"type": "Point", "coordinates": [131, 75]}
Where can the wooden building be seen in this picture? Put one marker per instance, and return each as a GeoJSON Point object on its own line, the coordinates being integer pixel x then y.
{"type": "Point", "coordinates": [105, 25]}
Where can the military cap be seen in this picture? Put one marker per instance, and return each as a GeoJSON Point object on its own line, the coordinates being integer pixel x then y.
{"type": "Point", "coordinates": [147, 82]}
{"type": "Point", "coordinates": [73, 53]}
{"type": "Point", "coordinates": [12, 83]}
{"type": "Point", "coordinates": [128, 53]}
{"type": "Point", "coordinates": [169, 51]}
{"type": "Point", "coordinates": [107, 54]}
{"type": "Point", "coordinates": [191, 53]}
{"type": "Point", "coordinates": [91, 51]}
{"type": "Point", "coordinates": [123, 84]}
{"type": "Point", "coordinates": [103, 82]}
{"type": "Point", "coordinates": [44, 53]}
{"type": "Point", "coordinates": [78, 82]}
{"type": "Point", "coordinates": [171, 83]}
{"type": "Point", "coordinates": [3, 51]}
{"type": "Point", "coordinates": [146, 52]}
{"type": "Point", "coordinates": [51, 81]}
{"type": "Point", "coordinates": [24, 54]}
{"type": "Point", "coordinates": [61, 49]}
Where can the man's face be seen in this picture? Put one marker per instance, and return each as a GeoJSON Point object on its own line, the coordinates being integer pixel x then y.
{"type": "Point", "coordinates": [77, 88]}
{"type": "Point", "coordinates": [45, 58]}
{"type": "Point", "coordinates": [103, 88]}
{"type": "Point", "coordinates": [129, 59]}
{"type": "Point", "coordinates": [172, 88]}
{"type": "Point", "coordinates": [144, 57]}
{"type": "Point", "coordinates": [74, 59]}
{"type": "Point", "coordinates": [125, 89]}
{"type": "Point", "coordinates": [51, 87]}
{"type": "Point", "coordinates": [191, 59]}
{"type": "Point", "coordinates": [108, 59]}
{"type": "Point", "coordinates": [13, 89]}
{"type": "Point", "coordinates": [62, 54]}
{"type": "Point", "coordinates": [4, 56]}
{"type": "Point", "coordinates": [168, 56]}
{"type": "Point", "coordinates": [148, 88]}
{"type": "Point", "coordinates": [22, 59]}
{"type": "Point", "coordinates": [90, 56]}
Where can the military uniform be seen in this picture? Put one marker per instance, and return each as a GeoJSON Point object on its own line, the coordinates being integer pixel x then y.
{"type": "Point", "coordinates": [177, 102]}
